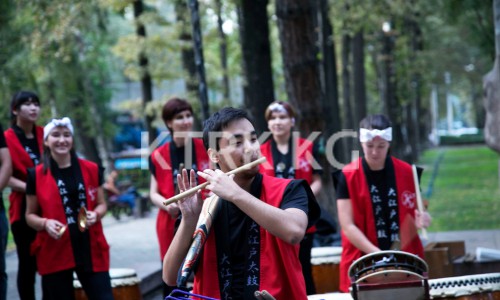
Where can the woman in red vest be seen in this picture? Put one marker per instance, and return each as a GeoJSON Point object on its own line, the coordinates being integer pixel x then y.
{"type": "Point", "coordinates": [56, 193]}
{"type": "Point", "coordinates": [24, 140]}
{"type": "Point", "coordinates": [376, 200]}
{"type": "Point", "coordinates": [291, 157]}
{"type": "Point", "coordinates": [183, 151]}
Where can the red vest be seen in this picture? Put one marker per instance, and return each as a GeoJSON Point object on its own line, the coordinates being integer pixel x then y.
{"type": "Point", "coordinates": [20, 163]}
{"type": "Point", "coordinates": [280, 269]}
{"type": "Point", "coordinates": [362, 212]}
{"type": "Point", "coordinates": [303, 163]}
{"type": "Point", "coordinates": [57, 255]}
{"type": "Point", "coordinates": [164, 177]}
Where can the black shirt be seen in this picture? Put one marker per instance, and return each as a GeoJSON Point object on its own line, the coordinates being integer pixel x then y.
{"type": "Point", "coordinates": [283, 164]}
{"type": "Point", "coordinates": [237, 233]}
{"type": "Point", "coordinates": [30, 145]}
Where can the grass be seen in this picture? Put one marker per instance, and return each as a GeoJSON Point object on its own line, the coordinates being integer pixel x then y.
{"type": "Point", "coordinates": [465, 194]}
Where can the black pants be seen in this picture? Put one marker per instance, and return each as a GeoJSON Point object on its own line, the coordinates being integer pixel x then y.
{"type": "Point", "coordinates": [59, 285]}
{"type": "Point", "coordinates": [305, 261]}
{"type": "Point", "coordinates": [23, 236]}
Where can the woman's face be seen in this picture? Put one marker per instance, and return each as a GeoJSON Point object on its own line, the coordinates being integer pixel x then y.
{"type": "Point", "coordinates": [182, 121]}
{"type": "Point", "coordinates": [280, 123]}
{"type": "Point", "coordinates": [59, 141]}
{"type": "Point", "coordinates": [376, 152]}
{"type": "Point", "coordinates": [28, 112]}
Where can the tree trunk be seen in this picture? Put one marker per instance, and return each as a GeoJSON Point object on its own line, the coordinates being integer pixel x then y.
{"type": "Point", "coordinates": [146, 82]}
{"type": "Point", "coordinates": [347, 118]}
{"type": "Point", "coordinates": [256, 49]}
{"type": "Point", "coordinates": [491, 87]}
{"type": "Point", "coordinates": [199, 60]}
{"type": "Point", "coordinates": [329, 79]}
{"type": "Point", "coordinates": [222, 51]}
{"type": "Point", "coordinates": [300, 64]}
{"type": "Point", "coordinates": [358, 68]}
{"type": "Point", "coordinates": [187, 52]}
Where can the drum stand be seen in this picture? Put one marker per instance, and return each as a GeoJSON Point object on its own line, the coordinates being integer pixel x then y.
{"type": "Point", "coordinates": [408, 290]}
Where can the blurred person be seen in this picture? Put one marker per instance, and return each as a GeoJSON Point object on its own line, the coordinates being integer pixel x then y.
{"type": "Point", "coordinates": [57, 191]}
{"type": "Point", "coordinates": [254, 240]}
{"type": "Point", "coordinates": [127, 197]}
{"type": "Point", "coordinates": [291, 158]}
{"type": "Point", "coordinates": [5, 174]}
{"type": "Point", "coordinates": [376, 201]}
{"type": "Point", "coordinates": [24, 140]}
{"type": "Point", "coordinates": [165, 164]}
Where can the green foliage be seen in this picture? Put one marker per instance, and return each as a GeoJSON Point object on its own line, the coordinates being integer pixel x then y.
{"type": "Point", "coordinates": [466, 193]}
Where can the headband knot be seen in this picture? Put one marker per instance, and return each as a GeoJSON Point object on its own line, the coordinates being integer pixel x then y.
{"type": "Point", "coordinates": [64, 122]}
{"type": "Point", "coordinates": [366, 135]}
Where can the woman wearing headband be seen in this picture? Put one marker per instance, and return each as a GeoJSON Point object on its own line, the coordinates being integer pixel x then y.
{"type": "Point", "coordinates": [167, 161]}
{"type": "Point", "coordinates": [376, 200]}
{"type": "Point", "coordinates": [24, 140]}
{"type": "Point", "coordinates": [290, 157]}
{"type": "Point", "coordinates": [65, 204]}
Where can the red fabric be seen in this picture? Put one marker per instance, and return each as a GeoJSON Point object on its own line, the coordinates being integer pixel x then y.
{"type": "Point", "coordinates": [363, 214]}
{"type": "Point", "coordinates": [20, 163]}
{"type": "Point", "coordinates": [164, 177]}
{"type": "Point", "coordinates": [304, 169]}
{"type": "Point", "coordinates": [57, 255]}
{"type": "Point", "coordinates": [280, 269]}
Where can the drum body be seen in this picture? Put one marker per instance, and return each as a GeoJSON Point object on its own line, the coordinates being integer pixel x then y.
{"type": "Point", "coordinates": [325, 263]}
{"type": "Point", "coordinates": [330, 296]}
{"type": "Point", "coordinates": [471, 287]}
{"type": "Point", "coordinates": [389, 275]}
{"type": "Point", "coordinates": [124, 282]}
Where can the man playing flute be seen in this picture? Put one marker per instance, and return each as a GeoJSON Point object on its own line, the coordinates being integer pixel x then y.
{"type": "Point", "coordinates": [254, 243]}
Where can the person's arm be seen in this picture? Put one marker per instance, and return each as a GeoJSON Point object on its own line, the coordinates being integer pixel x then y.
{"type": "Point", "coordinates": [17, 184]}
{"type": "Point", "coordinates": [289, 224]}
{"type": "Point", "coordinates": [157, 199]}
{"type": "Point", "coordinates": [351, 231]}
{"type": "Point", "coordinates": [109, 185]}
{"type": "Point", "coordinates": [316, 184]}
{"type": "Point", "coordinates": [53, 227]}
{"type": "Point", "coordinates": [5, 167]}
{"type": "Point", "coordinates": [93, 216]}
{"type": "Point", "coordinates": [190, 208]}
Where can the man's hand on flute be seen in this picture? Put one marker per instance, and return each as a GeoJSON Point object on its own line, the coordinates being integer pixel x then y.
{"type": "Point", "coordinates": [190, 206]}
{"type": "Point", "coordinates": [221, 184]}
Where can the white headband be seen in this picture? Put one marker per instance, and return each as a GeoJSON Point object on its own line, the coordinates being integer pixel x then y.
{"type": "Point", "coordinates": [278, 107]}
{"type": "Point", "coordinates": [366, 135]}
{"type": "Point", "coordinates": [64, 122]}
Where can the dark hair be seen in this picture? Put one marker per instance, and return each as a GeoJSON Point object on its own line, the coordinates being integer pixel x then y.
{"type": "Point", "coordinates": [19, 99]}
{"type": "Point", "coordinates": [289, 109]}
{"type": "Point", "coordinates": [172, 107]}
{"type": "Point", "coordinates": [220, 120]}
{"type": "Point", "coordinates": [379, 122]}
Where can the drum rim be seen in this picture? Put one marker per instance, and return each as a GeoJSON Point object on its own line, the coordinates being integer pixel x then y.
{"type": "Point", "coordinates": [389, 271]}
{"type": "Point", "coordinates": [385, 253]}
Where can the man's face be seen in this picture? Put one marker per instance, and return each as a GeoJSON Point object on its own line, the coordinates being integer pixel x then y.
{"type": "Point", "coordinates": [238, 146]}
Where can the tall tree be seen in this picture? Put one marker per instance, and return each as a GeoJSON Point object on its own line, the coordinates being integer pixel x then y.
{"type": "Point", "coordinates": [358, 72]}
{"type": "Point", "coordinates": [254, 33]}
{"type": "Point", "coordinates": [300, 64]}
{"type": "Point", "coordinates": [491, 83]}
{"type": "Point", "coordinates": [223, 50]}
{"type": "Point", "coordinates": [146, 81]}
{"type": "Point", "coordinates": [199, 60]}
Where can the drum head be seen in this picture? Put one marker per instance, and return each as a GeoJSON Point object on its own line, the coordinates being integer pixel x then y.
{"type": "Point", "coordinates": [385, 261]}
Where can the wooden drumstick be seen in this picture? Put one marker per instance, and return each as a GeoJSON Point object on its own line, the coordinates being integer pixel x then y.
{"type": "Point", "coordinates": [203, 185]}
{"type": "Point", "coordinates": [420, 204]}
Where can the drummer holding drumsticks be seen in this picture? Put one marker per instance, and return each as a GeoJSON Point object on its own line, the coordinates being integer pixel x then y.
{"type": "Point", "coordinates": [255, 236]}
{"type": "Point", "coordinates": [376, 200]}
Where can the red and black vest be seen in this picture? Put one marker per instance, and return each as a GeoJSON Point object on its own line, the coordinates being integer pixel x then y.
{"type": "Point", "coordinates": [280, 269]}
{"type": "Point", "coordinates": [57, 255]}
{"type": "Point", "coordinates": [163, 168]}
{"type": "Point", "coordinates": [303, 158]}
{"type": "Point", "coordinates": [20, 164]}
{"type": "Point", "coordinates": [362, 212]}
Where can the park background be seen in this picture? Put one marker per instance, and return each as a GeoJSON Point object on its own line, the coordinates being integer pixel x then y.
{"type": "Point", "coordinates": [110, 65]}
